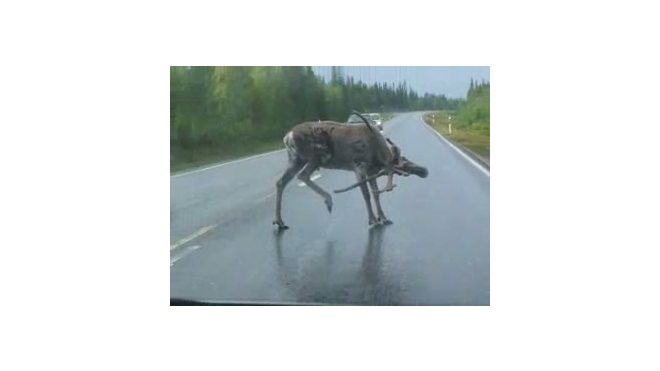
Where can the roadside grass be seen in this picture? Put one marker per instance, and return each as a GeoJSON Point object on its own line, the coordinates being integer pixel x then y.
{"type": "Point", "coordinates": [476, 139]}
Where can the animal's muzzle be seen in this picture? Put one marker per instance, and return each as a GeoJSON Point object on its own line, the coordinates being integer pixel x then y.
{"type": "Point", "coordinates": [420, 171]}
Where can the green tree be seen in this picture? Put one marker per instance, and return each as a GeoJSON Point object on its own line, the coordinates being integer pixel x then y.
{"type": "Point", "coordinates": [219, 108]}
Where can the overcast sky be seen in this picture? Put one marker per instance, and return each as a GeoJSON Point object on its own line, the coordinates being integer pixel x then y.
{"type": "Point", "coordinates": [450, 81]}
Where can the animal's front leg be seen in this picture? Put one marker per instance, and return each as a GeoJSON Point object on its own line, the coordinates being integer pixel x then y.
{"type": "Point", "coordinates": [389, 186]}
{"type": "Point", "coordinates": [396, 154]}
{"type": "Point", "coordinates": [382, 219]}
{"type": "Point", "coordinates": [360, 175]}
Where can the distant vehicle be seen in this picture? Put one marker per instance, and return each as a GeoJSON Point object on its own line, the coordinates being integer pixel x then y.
{"type": "Point", "coordinates": [377, 119]}
{"type": "Point", "coordinates": [354, 119]}
{"type": "Point", "coordinates": [373, 118]}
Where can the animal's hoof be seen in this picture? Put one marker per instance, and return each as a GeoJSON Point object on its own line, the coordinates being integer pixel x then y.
{"type": "Point", "coordinates": [385, 221]}
{"type": "Point", "coordinates": [280, 225]}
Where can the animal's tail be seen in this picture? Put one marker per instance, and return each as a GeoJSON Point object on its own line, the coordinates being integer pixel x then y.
{"type": "Point", "coordinates": [289, 143]}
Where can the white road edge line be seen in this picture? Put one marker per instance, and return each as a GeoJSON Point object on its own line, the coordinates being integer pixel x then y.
{"type": "Point", "coordinates": [226, 163]}
{"type": "Point", "coordinates": [264, 198]}
{"type": "Point", "coordinates": [200, 232]}
{"type": "Point", "coordinates": [183, 253]}
{"type": "Point", "coordinates": [483, 170]}
{"type": "Point", "coordinates": [314, 177]}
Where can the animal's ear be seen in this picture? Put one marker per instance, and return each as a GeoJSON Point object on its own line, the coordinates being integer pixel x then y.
{"type": "Point", "coordinates": [402, 161]}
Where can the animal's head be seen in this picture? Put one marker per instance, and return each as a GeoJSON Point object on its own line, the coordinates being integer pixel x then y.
{"type": "Point", "coordinates": [409, 167]}
{"type": "Point", "coordinates": [401, 163]}
{"type": "Point", "coordinates": [406, 166]}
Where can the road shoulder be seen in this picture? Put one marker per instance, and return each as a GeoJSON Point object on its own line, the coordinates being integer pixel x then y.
{"type": "Point", "coordinates": [478, 161]}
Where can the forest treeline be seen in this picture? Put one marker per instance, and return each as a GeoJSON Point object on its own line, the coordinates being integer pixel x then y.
{"type": "Point", "coordinates": [218, 110]}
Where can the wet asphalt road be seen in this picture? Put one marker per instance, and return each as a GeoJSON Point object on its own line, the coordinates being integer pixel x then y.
{"type": "Point", "coordinates": [437, 252]}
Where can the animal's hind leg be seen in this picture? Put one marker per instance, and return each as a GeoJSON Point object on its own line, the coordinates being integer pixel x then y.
{"type": "Point", "coordinates": [381, 216]}
{"type": "Point", "coordinates": [304, 176]}
{"type": "Point", "coordinates": [294, 167]}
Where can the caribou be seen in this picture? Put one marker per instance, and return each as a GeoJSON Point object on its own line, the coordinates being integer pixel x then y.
{"type": "Point", "coordinates": [333, 145]}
